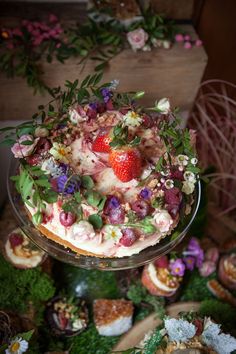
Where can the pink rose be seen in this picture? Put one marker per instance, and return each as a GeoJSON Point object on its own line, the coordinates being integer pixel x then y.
{"type": "Point", "coordinates": [187, 45]}
{"type": "Point", "coordinates": [212, 254]}
{"type": "Point", "coordinates": [179, 37]}
{"type": "Point", "coordinates": [207, 268]}
{"type": "Point", "coordinates": [137, 38]}
{"type": "Point", "coordinates": [20, 150]}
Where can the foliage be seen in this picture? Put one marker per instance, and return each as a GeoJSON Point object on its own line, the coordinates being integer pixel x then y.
{"type": "Point", "coordinates": [219, 311]}
{"type": "Point", "coordinates": [30, 285]}
{"type": "Point", "coordinates": [139, 295]}
{"type": "Point", "coordinates": [90, 342]}
{"type": "Point", "coordinates": [153, 342]}
{"type": "Point", "coordinates": [195, 287]}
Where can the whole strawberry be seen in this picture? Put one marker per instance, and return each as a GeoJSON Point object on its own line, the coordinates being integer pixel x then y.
{"type": "Point", "coordinates": [126, 163]}
{"type": "Point", "coordinates": [101, 142]}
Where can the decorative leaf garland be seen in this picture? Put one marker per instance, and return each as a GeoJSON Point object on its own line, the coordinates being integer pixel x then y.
{"type": "Point", "coordinates": [25, 46]}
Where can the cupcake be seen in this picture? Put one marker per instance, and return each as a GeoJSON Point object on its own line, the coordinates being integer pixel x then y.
{"type": "Point", "coordinates": [158, 279]}
{"type": "Point", "coordinates": [112, 317]}
{"type": "Point", "coordinates": [227, 271]}
{"type": "Point", "coordinates": [67, 317]}
{"type": "Point", "coordinates": [21, 252]}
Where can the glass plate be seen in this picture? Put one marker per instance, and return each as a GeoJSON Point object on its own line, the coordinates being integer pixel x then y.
{"type": "Point", "coordinates": [66, 255]}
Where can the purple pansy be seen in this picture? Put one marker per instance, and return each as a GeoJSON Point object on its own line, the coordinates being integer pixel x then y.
{"type": "Point", "coordinates": [64, 168]}
{"type": "Point", "coordinates": [194, 250]}
{"type": "Point", "coordinates": [66, 185]}
{"type": "Point", "coordinates": [177, 267]}
{"type": "Point", "coordinates": [106, 94]}
{"type": "Point", "coordinates": [189, 262]}
{"type": "Point", "coordinates": [93, 105]}
{"type": "Point", "coordinates": [145, 193]}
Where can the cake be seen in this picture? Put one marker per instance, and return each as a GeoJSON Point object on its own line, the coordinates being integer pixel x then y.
{"type": "Point", "coordinates": [112, 317]}
{"type": "Point", "coordinates": [21, 252]}
{"type": "Point", "coordinates": [102, 175]}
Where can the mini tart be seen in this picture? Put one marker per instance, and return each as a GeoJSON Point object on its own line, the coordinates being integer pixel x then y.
{"type": "Point", "coordinates": [158, 281]}
{"type": "Point", "coordinates": [57, 315]}
{"type": "Point", "coordinates": [112, 317]}
{"type": "Point", "coordinates": [227, 271]}
{"type": "Point", "coordinates": [22, 254]}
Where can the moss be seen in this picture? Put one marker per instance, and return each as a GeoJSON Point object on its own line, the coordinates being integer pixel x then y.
{"type": "Point", "coordinates": [195, 287]}
{"type": "Point", "coordinates": [90, 342]}
{"type": "Point", "coordinates": [19, 287]}
{"type": "Point", "coordinates": [221, 312]}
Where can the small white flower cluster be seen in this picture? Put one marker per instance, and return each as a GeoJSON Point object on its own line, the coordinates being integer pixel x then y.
{"type": "Point", "coordinates": [51, 167]}
{"type": "Point", "coordinates": [189, 177]}
{"type": "Point", "coordinates": [114, 84]}
{"type": "Point", "coordinates": [132, 119]}
{"type": "Point", "coordinates": [179, 330]}
{"type": "Point", "coordinates": [112, 233]}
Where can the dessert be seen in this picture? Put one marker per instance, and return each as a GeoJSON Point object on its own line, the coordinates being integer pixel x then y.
{"type": "Point", "coordinates": [227, 271]}
{"type": "Point", "coordinates": [21, 252]}
{"type": "Point", "coordinates": [158, 280]}
{"type": "Point", "coordinates": [112, 317]}
{"type": "Point", "coordinates": [102, 175]}
{"type": "Point", "coordinates": [67, 317]}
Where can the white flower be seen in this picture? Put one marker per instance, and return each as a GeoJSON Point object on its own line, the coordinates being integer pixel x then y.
{"type": "Point", "coordinates": [60, 152]}
{"type": "Point", "coordinates": [114, 84]}
{"type": "Point", "coordinates": [41, 132]}
{"type": "Point", "coordinates": [20, 150]}
{"type": "Point", "coordinates": [51, 167]}
{"type": "Point", "coordinates": [163, 105]}
{"type": "Point", "coordinates": [132, 119]}
{"type": "Point", "coordinates": [189, 176]}
{"type": "Point", "coordinates": [17, 346]}
{"type": "Point", "coordinates": [83, 230]}
{"type": "Point", "coordinates": [156, 42]}
{"type": "Point", "coordinates": [194, 161]}
{"type": "Point", "coordinates": [166, 44]}
{"type": "Point", "coordinates": [146, 172]}
{"type": "Point", "coordinates": [182, 160]}
{"type": "Point", "coordinates": [169, 183]}
{"type": "Point", "coordinates": [112, 233]}
{"type": "Point", "coordinates": [137, 38]}
{"type": "Point", "coordinates": [75, 117]}
{"type": "Point", "coordinates": [77, 324]}
{"type": "Point", "coordinates": [146, 48]}
{"type": "Point", "coordinates": [179, 330]}
{"type": "Point", "coordinates": [188, 187]}
{"type": "Point", "coordinates": [163, 220]}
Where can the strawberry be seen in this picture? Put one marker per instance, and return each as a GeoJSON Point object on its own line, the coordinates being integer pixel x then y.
{"type": "Point", "coordinates": [101, 142]}
{"type": "Point", "coordinates": [16, 239]}
{"type": "Point", "coordinates": [126, 163]}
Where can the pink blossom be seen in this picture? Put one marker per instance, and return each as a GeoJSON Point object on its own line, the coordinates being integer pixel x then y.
{"type": "Point", "coordinates": [19, 150]}
{"type": "Point", "coordinates": [187, 37]}
{"type": "Point", "coordinates": [207, 268]}
{"type": "Point", "coordinates": [37, 41]}
{"type": "Point", "coordinates": [179, 37]}
{"type": "Point", "coordinates": [212, 254]}
{"type": "Point", "coordinates": [137, 38]}
{"type": "Point", "coordinates": [58, 45]}
{"type": "Point", "coordinates": [36, 33]}
{"type": "Point", "coordinates": [177, 267]}
{"type": "Point", "coordinates": [53, 18]}
{"type": "Point", "coordinates": [187, 45]}
{"type": "Point", "coordinates": [198, 43]}
{"type": "Point", "coordinates": [29, 27]}
{"type": "Point", "coordinates": [17, 32]}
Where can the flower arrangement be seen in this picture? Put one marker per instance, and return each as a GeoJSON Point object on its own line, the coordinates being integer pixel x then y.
{"type": "Point", "coordinates": [25, 45]}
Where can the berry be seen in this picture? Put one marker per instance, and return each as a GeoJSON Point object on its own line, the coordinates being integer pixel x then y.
{"type": "Point", "coordinates": [116, 216]}
{"type": "Point", "coordinates": [101, 142]}
{"type": "Point", "coordinates": [128, 238]}
{"type": "Point", "coordinates": [63, 321]}
{"type": "Point", "coordinates": [126, 163]}
{"type": "Point", "coordinates": [67, 219]}
{"type": "Point", "coordinates": [173, 196]}
{"type": "Point", "coordinates": [162, 262]}
{"type": "Point", "coordinates": [33, 160]}
{"type": "Point", "coordinates": [141, 208]}
{"type": "Point", "coordinates": [16, 239]}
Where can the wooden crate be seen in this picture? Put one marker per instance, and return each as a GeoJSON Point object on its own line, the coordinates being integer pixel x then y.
{"type": "Point", "coordinates": [174, 73]}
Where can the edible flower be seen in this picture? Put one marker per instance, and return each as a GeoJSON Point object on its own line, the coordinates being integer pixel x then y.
{"type": "Point", "coordinates": [137, 38]}
{"type": "Point", "coordinates": [114, 84]}
{"type": "Point", "coordinates": [132, 119]}
{"type": "Point", "coordinates": [112, 233]}
{"type": "Point", "coordinates": [163, 106]}
{"type": "Point", "coordinates": [106, 94]}
{"type": "Point", "coordinates": [195, 251]}
{"type": "Point", "coordinates": [67, 185]}
{"type": "Point", "coordinates": [60, 152]}
{"type": "Point", "coordinates": [145, 193]}
{"type": "Point", "coordinates": [24, 146]}
{"type": "Point", "coordinates": [177, 267]}
{"type": "Point", "coordinates": [179, 330]}
{"type": "Point", "coordinates": [17, 346]}
{"type": "Point", "coordinates": [189, 262]}
{"type": "Point", "coordinates": [182, 160]}
{"type": "Point", "coordinates": [188, 187]}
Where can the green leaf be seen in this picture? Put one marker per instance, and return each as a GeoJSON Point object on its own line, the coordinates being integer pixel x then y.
{"type": "Point", "coordinates": [102, 203]}
{"type": "Point", "coordinates": [77, 197]}
{"type": "Point", "coordinates": [50, 196]}
{"type": "Point", "coordinates": [27, 142]}
{"type": "Point", "coordinates": [7, 142]}
{"type": "Point", "coordinates": [159, 164]}
{"type": "Point", "coordinates": [135, 141]}
{"type": "Point", "coordinates": [43, 182]}
{"type": "Point", "coordinates": [93, 198]}
{"type": "Point", "coordinates": [87, 182]}
{"type": "Point", "coordinates": [37, 218]}
{"type": "Point", "coordinates": [96, 221]}
{"type": "Point", "coordinates": [85, 81]}
{"type": "Point", "coordinates": [26, 335]}
{"type": "Point", "coordinates": [138, 95]}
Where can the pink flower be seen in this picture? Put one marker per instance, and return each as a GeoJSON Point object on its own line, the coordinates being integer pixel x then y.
{"type": "Point", "coordinates": [137, 38]}
{"type": "Point", "coordinates": [212, 254]}
{"type": "Point", "coordinates": [179, 37]}
{"type": "Point", "coordinates": [187, 45]}
{"type": "Point", "coordinates": [37, 41]}
{"type": "Point", "coordinates": [207, 268]}
{"type": "Point", "coordinates": [198, 43]}
{"type": "Point", "coordinates": [17, 32]}
{"type": "Point", "coordinates": [20, 150]}
{"type": "Point", "coordinates": [177, 267]}
{"type": "Point", "coordinates": [58, 45]}
{"type": "Point", "coordinates": [53, 18]}
{"type": "Point", "coordinates": [187, 37]}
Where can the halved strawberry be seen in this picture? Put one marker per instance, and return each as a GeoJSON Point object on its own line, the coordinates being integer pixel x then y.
{"type": "Point", "coordinates": [126, 163]}
{"type": "Point", "coordinates": [102, 141]}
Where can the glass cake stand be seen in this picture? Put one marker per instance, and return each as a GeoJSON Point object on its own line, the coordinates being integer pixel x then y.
{"type": "Point", "coordinates": [66, 255]}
